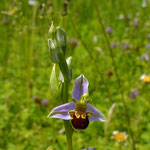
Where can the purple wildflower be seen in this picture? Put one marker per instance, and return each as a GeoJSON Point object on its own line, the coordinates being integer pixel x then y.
{"type": "Point", "coordinates": [133, 94]}
{"type": "Point", "coordinates": [148, 46]}
{"type": "Point", "coordinates": [113, 45]}
{"type": "Point", "coordinates": [136, 24]}
{"type": "Point", "coordinates": [4, 21]}
{"type": "Point", "coordinates": [145, 57]}
{"type": "Point", "coordinates": [79, 112]}
{"type": "Point", "coordinates": [109, 30]}
{"type": "Point", "coordinates": [142, 58]}
{"type": "Point", "coordinates": [45, 102]}
{"type": "Point", "coordinates": [126, 46]}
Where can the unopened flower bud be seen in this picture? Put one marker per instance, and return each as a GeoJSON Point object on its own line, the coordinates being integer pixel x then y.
{"type": "Point", "coordinates": [36, 99]}
{"type": "Point", "coordinates": [52, 51]}
{"type": "Point", "coordinates": [65, 4]}
{"type": "Point", "coordinates": [109, 73]}
{"type": "Point", "coordinates": [51, 31]}
{"type": "Point", "coordinates": [61, 39]}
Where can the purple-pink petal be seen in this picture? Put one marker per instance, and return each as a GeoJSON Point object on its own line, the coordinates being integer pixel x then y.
{"type": "Point", "coordinates": [80, 87]}
{"type": "Point", "coordinates": [62, 111]}
{"type": "Point", "coordinates": [126, 46]}
{"type": "Point", "coordinates": [96, 114]}
{"type": "Point", "coordinates": [133, 94]}
{"type": "Point", "coordinates": [109, 30]}
{"type": "Point", "coordinates": [61, 115]}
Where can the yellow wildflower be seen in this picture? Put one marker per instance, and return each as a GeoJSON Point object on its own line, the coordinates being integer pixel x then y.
{"type": "Point", "coordinates": [12, 11]}
{"type": "Point", "coordinates": [119, 136]}
{"type": "Point", "coordinates": [145, 78]}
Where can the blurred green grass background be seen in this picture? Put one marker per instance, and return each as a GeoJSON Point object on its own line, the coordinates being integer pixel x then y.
{"type": "Point", "coordinates": [25, 68]}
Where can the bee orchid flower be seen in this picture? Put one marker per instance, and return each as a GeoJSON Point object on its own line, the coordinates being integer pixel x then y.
{"type": "Point", "coordinates": [80, 112]}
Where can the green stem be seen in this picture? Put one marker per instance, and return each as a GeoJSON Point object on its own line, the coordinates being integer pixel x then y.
{"type": "Point", "coordinates": [64, 69]}
{"type": "Point", "coordinates": [68, 127]}
{"type": "Point", "coordinates": [65, 94]}
{"type": "Point", "coordinates": [69, 132]}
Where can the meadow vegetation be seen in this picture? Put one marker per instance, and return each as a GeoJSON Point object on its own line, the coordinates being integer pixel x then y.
{"type": "Point", "coordinates": [109, 41]}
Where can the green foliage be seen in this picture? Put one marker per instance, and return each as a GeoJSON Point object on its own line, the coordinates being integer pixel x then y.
{"type": "Point", "coordinates": [25, 68]}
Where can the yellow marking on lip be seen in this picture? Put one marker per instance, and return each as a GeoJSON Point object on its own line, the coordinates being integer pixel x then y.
{"type": "Point", "coordinates": [77, 115]}
{"type": "Point", "coordinates": [89, 114]}
{"type": "Point", "coordinates": [83, 116]}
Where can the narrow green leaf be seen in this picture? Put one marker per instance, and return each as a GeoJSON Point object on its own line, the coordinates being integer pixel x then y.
{"type": "Point", "coordinates": [54, 83]}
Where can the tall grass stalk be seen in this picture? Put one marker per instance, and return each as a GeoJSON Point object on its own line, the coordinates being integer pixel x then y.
{"type": "Point", "coordinates": [116, 74]}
